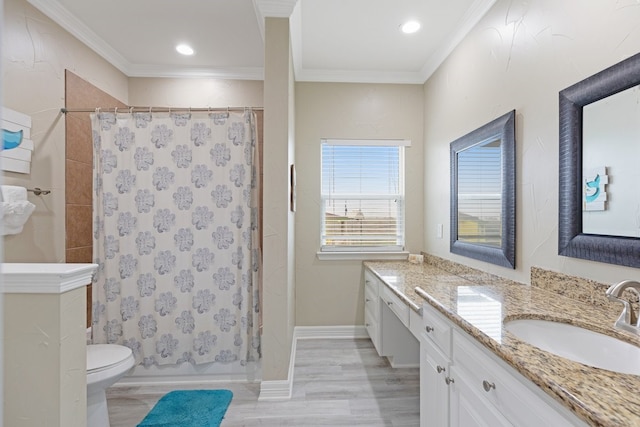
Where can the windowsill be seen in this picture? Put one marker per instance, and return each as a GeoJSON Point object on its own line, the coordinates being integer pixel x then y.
{"type": "Point", "coordinates": [361, 256]}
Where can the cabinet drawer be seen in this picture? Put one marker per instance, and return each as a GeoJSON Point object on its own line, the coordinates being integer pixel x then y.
{"type": "Point", "coordinates": [371, 282]}
{"type": "Point", "coordinates": [415, 324]}
{"type": "Point", "coordinates": [437, 328]}
{"type": "Point", "coordinates": [371, 302]}
{"type": "Point", "coordinates": [371, 324]}
{"type": "Point", "coordinates": [396, 305]}
{"type": "Point", "coordinates": [524, 405]}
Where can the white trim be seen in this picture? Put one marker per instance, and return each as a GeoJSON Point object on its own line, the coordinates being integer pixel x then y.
{"type": "Point", "coordinates": [350, 76]}
{"type": "Point", "coordinates": [45, 278]}
{"type": "Point", "coordinates": [368, 142]}
{"type": "Point", "coordinates": [61, 16]}
{"type": "Point", "coordinates": [478, 9]}
{"type": "Point", "coordinates": [182, 380]}
{"type": "Point", "coordinates": [333, 332]}
{"type": "Point", "coordinates": [280, 389]}
{"type": "Point", "coordinates": [275, 390]}
{"type": "Point", "coordinates": [362, 256]}
{"type": "Point", "coordinates": [162, 71]}
{"type": "Point", "coordinates": [275, 8]}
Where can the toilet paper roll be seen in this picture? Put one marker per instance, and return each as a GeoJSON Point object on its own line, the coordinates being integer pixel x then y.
{"type": "Point", "coordinates": [13, 193]}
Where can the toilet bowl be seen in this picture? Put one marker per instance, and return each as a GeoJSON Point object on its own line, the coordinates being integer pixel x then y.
{"type": "Point", "coordinates": [106, 364]}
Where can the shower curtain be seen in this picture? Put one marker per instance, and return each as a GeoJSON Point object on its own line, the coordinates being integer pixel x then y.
{"type": "Point", "coordinates": [176, 236]}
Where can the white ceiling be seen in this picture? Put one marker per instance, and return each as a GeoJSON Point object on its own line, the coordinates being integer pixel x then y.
{"type": "Point", "coordinates": [332, 40]}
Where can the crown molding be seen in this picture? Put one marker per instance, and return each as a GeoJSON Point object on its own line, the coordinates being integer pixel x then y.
{"type": "Point", "coordinates": [247, 73]}
{"type": "Point", "coordinates": [275, 8]}
{"type": "Point", "coordinates": [264, 9]}
{"type": "Point", "coordinates": [359, 76]}
{"type": "Point", "coordinates": [473, 15]}
{"type": "Point", "coordinates": [61, 16]}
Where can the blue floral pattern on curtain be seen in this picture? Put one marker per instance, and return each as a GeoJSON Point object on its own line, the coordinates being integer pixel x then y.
{"type": "Point", "coordinates": [176, 236]}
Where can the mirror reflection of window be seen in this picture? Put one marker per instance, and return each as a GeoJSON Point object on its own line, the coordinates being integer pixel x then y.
{"type": "Point", "coordinates": [479, 194]}
{"type": "Point", "coordinates": [611, 142]}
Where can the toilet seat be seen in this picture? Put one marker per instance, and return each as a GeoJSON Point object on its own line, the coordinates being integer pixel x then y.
{"type": "Point", "coordinates": [106, 364]}
{"type": "Point", "coordinates": [101, 357]}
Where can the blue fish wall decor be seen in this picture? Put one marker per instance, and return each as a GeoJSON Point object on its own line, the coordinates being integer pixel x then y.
{"type": "Point", "coordinates": [11, 139]}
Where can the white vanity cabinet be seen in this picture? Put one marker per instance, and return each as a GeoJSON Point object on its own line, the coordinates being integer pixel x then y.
{"type": "Point", "coordinates": [435, 367]}
{"type": "Point", "coordinates": [463, 384]}
{"type": "Point", "coordinates": [372, 309]}
{"type": "Point", "coordinates": [386, 318]}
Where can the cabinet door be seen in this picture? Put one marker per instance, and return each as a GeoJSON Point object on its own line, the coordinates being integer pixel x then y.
{"type": "Point", "coordinates": [434, 391]}
{"type": "Point", "coordinates": [470, 409]}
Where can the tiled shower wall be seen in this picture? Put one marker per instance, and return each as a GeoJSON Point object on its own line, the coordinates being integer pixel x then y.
{"type": "Point", "coordinates": [79, 163]}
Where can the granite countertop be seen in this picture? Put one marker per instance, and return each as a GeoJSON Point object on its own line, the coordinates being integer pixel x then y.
{"type": "Point", "coordinates": [597, 396]}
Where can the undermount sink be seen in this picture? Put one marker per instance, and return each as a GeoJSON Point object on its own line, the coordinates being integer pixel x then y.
{"type": "Point", "coordinates": [578, 344]}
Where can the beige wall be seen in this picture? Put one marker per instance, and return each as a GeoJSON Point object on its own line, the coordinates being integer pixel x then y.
{"type": "Point", "coordinates": [36, 51]}
{"type": "Point", "coordinates": [44, 346]}
{"type": "Point", "coordinates": [278, 221]}
{"type": "Point", "coordinates": [329, 293]}
{"type": "Point", "coordinates": [519, 56]}
{"type": "Point", "coordinates": [195, 92]}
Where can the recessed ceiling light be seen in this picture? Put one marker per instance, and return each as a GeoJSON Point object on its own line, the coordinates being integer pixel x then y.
{"type": "Point", "coordinates": [410, 27]}
{"type": "Point", "coordinates": [184, 49]}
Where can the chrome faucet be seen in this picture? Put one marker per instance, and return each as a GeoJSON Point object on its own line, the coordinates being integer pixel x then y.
{"type": "Point", "coordinates": [629, 319]}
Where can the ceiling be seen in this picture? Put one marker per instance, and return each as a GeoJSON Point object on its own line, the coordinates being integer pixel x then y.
{"type": "Point", "coordinates": [332, 40]}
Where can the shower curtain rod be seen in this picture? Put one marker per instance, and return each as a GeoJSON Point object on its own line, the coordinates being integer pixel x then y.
{"type": "Point", "coordinates": [156, 109]}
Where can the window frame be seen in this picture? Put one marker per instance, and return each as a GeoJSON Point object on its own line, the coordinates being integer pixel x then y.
{"type": "Point", "coordinates": [396, 251]}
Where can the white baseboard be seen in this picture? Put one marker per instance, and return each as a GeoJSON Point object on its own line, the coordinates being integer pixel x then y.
{"type": "Point", "coordinates": [317, 332]}
{"type": "Point", "coordinates": [282, 389]}
{"type": "Point", "coordinates": [276, 390]}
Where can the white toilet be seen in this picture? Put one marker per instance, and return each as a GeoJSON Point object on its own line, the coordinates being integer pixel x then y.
{"type": "Point", "coordinates": [106, 364]}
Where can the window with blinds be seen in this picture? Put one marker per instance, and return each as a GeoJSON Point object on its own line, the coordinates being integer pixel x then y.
{"type": "Point", "coordinates": [362, 195]}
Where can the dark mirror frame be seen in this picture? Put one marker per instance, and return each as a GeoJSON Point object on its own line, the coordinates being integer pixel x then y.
{"type": "Point", "coordinates": [571, 241]}
{"type": "Point", "coordinates": [502, 128]}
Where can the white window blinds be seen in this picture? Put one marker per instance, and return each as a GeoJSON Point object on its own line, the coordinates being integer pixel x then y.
{"type": "Point", "coordinates": [363, 195]}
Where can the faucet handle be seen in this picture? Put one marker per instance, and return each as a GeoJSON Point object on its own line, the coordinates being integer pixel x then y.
{"type": "Point", "coordinates": [628, 319]}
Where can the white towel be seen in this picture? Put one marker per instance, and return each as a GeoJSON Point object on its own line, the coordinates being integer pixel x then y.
{"type": "Point", "coordinates": [15, 209]}
{"type": "Point", "coordinates": [13, 193]}
{"type": "Point", "coordinates": [15, 215]}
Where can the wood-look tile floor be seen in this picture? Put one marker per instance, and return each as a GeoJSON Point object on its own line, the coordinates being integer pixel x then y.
{"type": "Point", "coordinates": [337, 382]}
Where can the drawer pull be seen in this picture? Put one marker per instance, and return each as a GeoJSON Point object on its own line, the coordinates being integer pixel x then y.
{"type": "Point", "coordinates": [367, 324]}
{"type": "Point", "coordinates": [440, 369]}
{"type": "Point", "coordinates": [449, 380]}
{"type": "Point", "coordinates": [429, 328]}
{"type": "Point", "coordinates": [367, 300]}
{"type": "Point", "coordinates": [389, 303]}
{"type": "Point", "coordinates": [488, 386]}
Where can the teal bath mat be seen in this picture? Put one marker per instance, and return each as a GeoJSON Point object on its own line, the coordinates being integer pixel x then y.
{"type": "Point", "coordinates": [189, 408]}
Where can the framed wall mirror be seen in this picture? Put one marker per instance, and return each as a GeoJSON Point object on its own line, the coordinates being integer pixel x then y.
{"type": "Point", "coordinates": [599, 210]}
{"type": "Point", "coordinates": [483, 193]}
